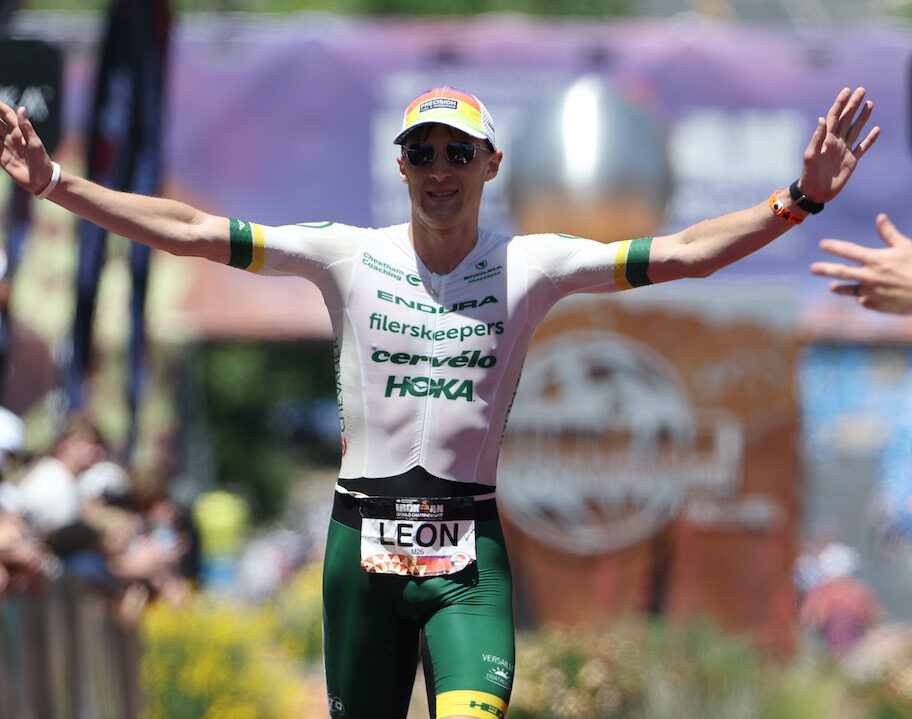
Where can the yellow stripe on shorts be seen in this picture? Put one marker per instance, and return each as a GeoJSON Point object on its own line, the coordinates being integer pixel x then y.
{"type": "Point", "coordinates": [471, 704]}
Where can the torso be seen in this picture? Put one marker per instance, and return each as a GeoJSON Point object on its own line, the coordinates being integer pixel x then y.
{"type": "Point", "coordinates": [427, 364]}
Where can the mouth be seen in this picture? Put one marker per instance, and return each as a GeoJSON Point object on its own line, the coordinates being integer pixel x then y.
{"type": "Point", "coordinates": [441, 194]}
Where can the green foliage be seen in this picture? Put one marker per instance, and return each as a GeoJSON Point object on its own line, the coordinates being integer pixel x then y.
{"type": "Point", "coordinates": [216, 659]}
{"type": "Point", "coordinates": [636, 669]}
{"type": "Point", "coordinates": [245, 386]}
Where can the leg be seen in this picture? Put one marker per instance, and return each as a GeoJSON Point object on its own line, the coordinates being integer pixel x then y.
{"type": "Point", "coordinates": [470, 637]}
{"type": "Point", "coordinates": [369, 651]}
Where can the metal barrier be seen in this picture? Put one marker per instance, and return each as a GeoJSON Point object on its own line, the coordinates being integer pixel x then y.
{"type": "Point", "coordinates": [63, 655]}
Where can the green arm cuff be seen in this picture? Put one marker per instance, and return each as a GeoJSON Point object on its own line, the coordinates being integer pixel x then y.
{"type": "Point", "coordinates": [241, 234]}
{"type": "Point", "coordinates": [637, 264]}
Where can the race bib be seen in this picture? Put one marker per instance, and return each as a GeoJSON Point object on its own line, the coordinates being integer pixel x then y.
{"type": "Point", "coordinates": [417, 537]}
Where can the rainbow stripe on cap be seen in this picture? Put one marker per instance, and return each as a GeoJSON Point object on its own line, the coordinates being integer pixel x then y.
{"type": "Point", "coordinates": [452, 107]}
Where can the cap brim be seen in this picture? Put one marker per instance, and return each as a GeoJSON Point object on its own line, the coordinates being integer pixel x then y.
{"type": "Point", "coordinates": [455, 125]}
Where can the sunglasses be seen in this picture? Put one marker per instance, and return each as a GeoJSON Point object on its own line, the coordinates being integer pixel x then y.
{"type": "Point", "coordinates": [422, 154]}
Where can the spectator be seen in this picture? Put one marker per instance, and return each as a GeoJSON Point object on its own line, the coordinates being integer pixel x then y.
{"type": "Point", "coordinates": [840, 608]}
{"type": "Point", "coordinates": [49, 489]}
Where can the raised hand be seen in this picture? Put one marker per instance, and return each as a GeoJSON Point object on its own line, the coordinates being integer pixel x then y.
{"type": "Point", "coordinates": [883, 279]}
{"type": "Point", "coordinates": [832, 154]}
{"type": "Point", "coordinates": [23, 156]}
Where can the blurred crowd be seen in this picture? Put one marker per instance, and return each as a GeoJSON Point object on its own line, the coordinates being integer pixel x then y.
{"type": "Point", "coordinates": [835, 607]}
{"type": "Point", "coordinates": [76, 512]}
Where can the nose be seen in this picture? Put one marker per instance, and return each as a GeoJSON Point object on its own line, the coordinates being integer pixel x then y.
{"type": "Point", "coordinates": [440, 165]}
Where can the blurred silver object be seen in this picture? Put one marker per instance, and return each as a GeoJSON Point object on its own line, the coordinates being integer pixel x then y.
{"type": "Point", "coordinates": [591, 163]}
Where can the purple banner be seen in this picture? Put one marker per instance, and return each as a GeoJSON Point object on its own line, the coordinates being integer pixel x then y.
{"type": "Point", "coordinates": [291, 119]}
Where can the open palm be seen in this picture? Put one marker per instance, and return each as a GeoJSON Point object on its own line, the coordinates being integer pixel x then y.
{"type": "Point", "coordinates": [23, 156]}
{"type": "Point", "coordinates": [832, 154]}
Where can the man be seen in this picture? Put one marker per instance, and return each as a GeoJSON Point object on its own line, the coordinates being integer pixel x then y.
{"type": "Point", "coordinates": [883, 282]}
{"type": "Point", "coordinates": [432, 320]}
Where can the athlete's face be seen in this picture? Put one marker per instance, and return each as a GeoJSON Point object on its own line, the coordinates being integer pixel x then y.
{"type": "Point", "coordinates": [444, 194]}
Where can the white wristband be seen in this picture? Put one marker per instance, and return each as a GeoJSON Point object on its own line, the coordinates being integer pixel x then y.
{"type": "Point", "coordinates": [55, 178]}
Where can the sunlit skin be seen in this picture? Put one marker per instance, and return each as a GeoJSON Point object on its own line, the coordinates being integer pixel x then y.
{"type": "Point", "coordinates": [446, 198]}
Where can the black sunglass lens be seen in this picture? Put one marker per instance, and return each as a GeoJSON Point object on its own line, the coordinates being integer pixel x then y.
{"type": "Point", "coordinates": [460, 153]}
{"type": "Point", "coordinates": [420, 153]}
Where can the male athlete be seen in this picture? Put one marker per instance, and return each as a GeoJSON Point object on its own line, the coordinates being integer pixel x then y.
{"type": "Point", "coordinates": [432, 319]}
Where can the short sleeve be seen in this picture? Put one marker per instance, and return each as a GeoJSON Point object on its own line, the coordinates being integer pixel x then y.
{"type": "Point", "coordinates": [303, 250]}
{"type": "Point", "coordinates": [574, 264]}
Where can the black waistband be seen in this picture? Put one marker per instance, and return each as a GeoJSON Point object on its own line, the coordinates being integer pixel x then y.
{"type": "Point", "coordinates": [417, 482]}
{"type": "Point", "coordinates": [346, 509]}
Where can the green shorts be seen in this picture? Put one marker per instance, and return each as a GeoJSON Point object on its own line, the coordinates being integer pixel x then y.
{"type": "Point", "coordinates": [372, 623]}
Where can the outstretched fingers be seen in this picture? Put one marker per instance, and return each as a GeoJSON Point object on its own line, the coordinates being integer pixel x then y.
{"type": "Point", "coordinates": [888, 232]}
{"type": "Point", "coordinates": [837, 271]}
{"type": "Point", "coordinates": [862, 147]}
{"type": "Point", "coordinates": [815, 146]}
{"type": "Point", "coordinates": [848, 250]}
{"type": "Point", "coordinates": [845, 122]}
{"type": "Point", "coordinates": [860, 121]}
{"type": "Point", "coordinates": [850, 290]}
{"type": "Point", "coordinates": [835, 112]}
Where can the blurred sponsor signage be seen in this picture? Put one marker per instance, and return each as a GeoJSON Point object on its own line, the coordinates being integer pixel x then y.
{"type": "Point", "coordinates": [31, 76]}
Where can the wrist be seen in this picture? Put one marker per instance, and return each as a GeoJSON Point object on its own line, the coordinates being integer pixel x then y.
{"type": "Point", "coordinates": [803, 201]}
{"type": "Point", "coordinates": [49, 188]}
{"type": "Point", "coordinates": [783, 206]}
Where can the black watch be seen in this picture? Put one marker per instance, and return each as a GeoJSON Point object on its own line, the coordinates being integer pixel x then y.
{"type": "Point", "coordinates": [803, 202]}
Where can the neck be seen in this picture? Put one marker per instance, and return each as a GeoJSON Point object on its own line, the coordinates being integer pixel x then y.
{"type": "Point", "coordinates": [441, 250]}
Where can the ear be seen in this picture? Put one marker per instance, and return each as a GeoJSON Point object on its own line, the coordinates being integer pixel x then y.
{"type": "Point", "coordinates": [402, 175]}
{"type": "Point", "coordinates": [494, 160]}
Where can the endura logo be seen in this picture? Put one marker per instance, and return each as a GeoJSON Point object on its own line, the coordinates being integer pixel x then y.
{"type": "Point", "coordinates": [435, 309]}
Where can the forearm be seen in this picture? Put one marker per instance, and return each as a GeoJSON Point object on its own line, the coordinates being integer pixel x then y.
{"type": "Point", "coordinates": [160, 223]}
{"type": "Point", "coordinates": [707, 246]}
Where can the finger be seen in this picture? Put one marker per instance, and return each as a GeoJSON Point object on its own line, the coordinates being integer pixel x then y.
{"type": "Point", "coordinates": [851, 290]}
{"type": "Point", "coordinates": [848, 250]}
{"type": "Point", "coordinates": [832, 118]}
{"type": "Point", "coordinates": [848, 112]}
{"type": "Point", "coordinates": [836, 271]}
{"type": "Point", "coordinates": [865, 144]}
{"type": "Point", "coordinates": [33, 143]}
{"type": "Point", "coordinates": [855, 129]}
{"type": "Point", "coordinates": [7, 114]}
{"type": "Point", "coordinates": [815, 146]}
{"type": "Point", "coordinates": [888, 232]}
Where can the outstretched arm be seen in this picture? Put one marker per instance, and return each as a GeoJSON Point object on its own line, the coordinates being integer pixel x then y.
{"type": "Point", "coordinates": [883, 282]}
{"type": "Point", "coordinates": [829, 161]}
{"type": "Point", "coordinates": [164, 224]}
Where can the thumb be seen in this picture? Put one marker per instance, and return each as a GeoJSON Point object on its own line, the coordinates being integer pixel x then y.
{"type": "Point", "coordinates": [888, 232]}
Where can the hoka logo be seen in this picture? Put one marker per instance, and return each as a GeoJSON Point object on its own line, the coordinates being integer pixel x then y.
{"type": "Point", "coordinates": [485, 707]}
{"type": "Point", "coordinates": [427, 387]}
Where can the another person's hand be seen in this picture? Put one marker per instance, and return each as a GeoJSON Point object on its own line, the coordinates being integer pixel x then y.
{"type": "Point", "coordinates": [831, 155]}
{"type": "Point", "coordinates": [23, 156]}
{"type": "Point", "coordinates": [883, 281]}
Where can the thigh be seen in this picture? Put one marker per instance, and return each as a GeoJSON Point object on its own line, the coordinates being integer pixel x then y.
{"type": "Point", "coordinates": [470, 638]}
{"type": "Point", "coordinates": [370, 653]}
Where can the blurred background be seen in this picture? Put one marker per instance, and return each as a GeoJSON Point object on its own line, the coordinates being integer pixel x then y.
{"type": "Point", "coordinates": [707, 486]}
